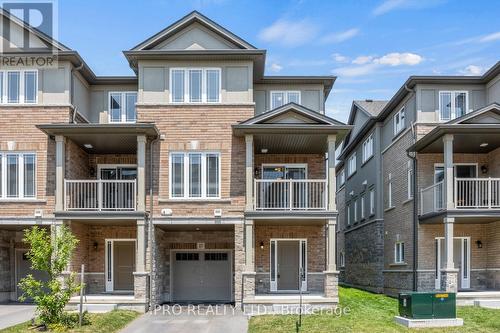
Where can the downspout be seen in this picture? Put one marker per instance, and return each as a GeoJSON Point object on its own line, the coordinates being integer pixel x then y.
{"type": "Point", "coordinates": [72, 90]}
{"type": "Point", "coordinates": [150, 222]}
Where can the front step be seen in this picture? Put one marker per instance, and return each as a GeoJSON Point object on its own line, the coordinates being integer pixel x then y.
{"type": "Point", "coordinates": [97, 308]}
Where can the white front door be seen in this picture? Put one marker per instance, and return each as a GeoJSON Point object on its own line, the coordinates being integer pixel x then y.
{"type": "Point", "coordinates": [288, 264]}
{"type": "Point", "coordinates": [461, 259]}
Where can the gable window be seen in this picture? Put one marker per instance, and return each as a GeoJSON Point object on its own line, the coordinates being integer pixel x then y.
{"type": "Point", "coordinates": [409, 179]}
{"type": "Point", "coordinates": [194, 175]}
{"type": "Point", "coordinates": [195, 85]}
{"type": "Point", "coordinates": [399, 121]}
{"type": "Point", "coordinates": [372, 201]}
{"type": "Point", "coordinates": [279, 98]}
{"type": "Point", "coordinates": [351, 165]}
{"type": "Point", "coordinates": [399, 252]}
{"type": "Point", "coordinates": [452, 104]}
{"type": "Point", "coordinates": [368, 148]}
{"type": "Point", "coordinates": [122, 107]}
{"type": "Point", "coordinates": [17, 172]}
{"type": "Point", "coordinates": [19, 87]}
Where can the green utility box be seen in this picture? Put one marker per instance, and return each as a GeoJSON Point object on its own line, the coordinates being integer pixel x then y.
{"type": "Point", "coordinates": [427, 305]}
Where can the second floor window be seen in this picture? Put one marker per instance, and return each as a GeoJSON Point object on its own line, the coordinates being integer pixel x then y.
{"type": "Point", "coordinates": [351, 165]}
{"type": "Point", "coordinates": [348, 214]}
{"type": "Point", "coordinates": [195, 85]}
{"type": "Point", "coordinates": [389, 191]}
{"type": "Point", "coordinates": [279, 98]}
{"type": "Point", "coordinates": [341, 180]}
{"type": "Point", "coordinates": [409, 177]}
{"type": "Point", "coordinates": [122, 107]}
{"type": "Point", "coordinates": [452, 104]}
{"type": "Point", "coordinates": [399, 121]}
{"type": "Point", "coordinates": [368, 148]}
{"type": "Point", "coordinates": [372, 201]}
{"type": "Point", "coordinates": [194, 175]}
{"type": "Point", "coordinates": [362, 207]}
{"type": "Point", "coordinates": [17, 172]}
{"type": "Point", "coordinates": [19, 87]}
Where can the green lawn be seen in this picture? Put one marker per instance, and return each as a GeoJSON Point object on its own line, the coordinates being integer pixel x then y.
{"type": "Point", "coordinates": [99, 323]}
{"type": "Point", "coordinates": [370, 313]}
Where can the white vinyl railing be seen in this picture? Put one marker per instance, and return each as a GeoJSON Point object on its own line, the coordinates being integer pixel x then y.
{"type": "Point", "coordinates": [100, 195]}
{"type": "Point", "coordinates": [477, 193]}
{"type": "Point", "coordinates": [432, 199]}
{"type": "Point", "coordinates": [290, 194]}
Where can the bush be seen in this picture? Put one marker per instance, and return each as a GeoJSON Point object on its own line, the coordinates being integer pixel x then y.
{"type": "Point", "coordinates": [50, 255]}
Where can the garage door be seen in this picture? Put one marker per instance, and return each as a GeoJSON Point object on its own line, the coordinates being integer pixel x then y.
{"type": "Point", "coordinates": [23, 268]}
{"type": "Point", "coordinates": [201, 277]}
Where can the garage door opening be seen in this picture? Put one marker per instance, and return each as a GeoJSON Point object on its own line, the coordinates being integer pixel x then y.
{"type": "Point", "coordinates": [201, 277]}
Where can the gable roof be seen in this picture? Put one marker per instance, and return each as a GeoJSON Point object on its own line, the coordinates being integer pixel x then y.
{"type": "Point", "coordinates": [317, 118]}
{"type": "Point", "coordinates": [184, 22]}
{"type": "Point", "coordinates": [46, 39]}
{"type": "Point", "coordinates": [493, 109]}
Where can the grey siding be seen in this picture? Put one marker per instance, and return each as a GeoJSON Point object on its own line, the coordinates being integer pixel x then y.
{"type": "Point", "coordinates": [493, 90]}
{"type": "Point", "coordinates": [99, 98]}
{"type": "Point", "coordinates": [388, 128]}
{"type": "Point", "coordinates": [81, 96]}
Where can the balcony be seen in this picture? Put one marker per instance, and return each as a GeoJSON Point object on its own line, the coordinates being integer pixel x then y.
{"type": "Point", "coordinates": [468, 194]}
{"type": "Point", "coordinates": [290, 195]}
{"type": "Point", "coordinates": [100, 195]}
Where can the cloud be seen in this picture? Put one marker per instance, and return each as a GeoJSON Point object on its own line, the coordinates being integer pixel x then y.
{"type": "Point", "coordinates": [339, 57]}
{"type": "Point", "coordinates": [490, 38]}
{"type": "Point", "coordinates": [398, 59]}
{"type": "Point", "coordinates": [391, 5]}
{"type": "Point", "coordinates": [472, 70]}
{"type": "Point", "coordinates": [361, 60]}
{"type": "Point", "coordinates": [275, 67]}
{"type": "Point", "coordinates": [289, 33]}
{"type": "Point", "coordinates": [338, 37]}
{"type": "Point", "coordinates": [364, 65]}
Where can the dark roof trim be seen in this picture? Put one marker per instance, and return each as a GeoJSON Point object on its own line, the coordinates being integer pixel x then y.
{"type": "Point", "coordinates": [148, 129]}
{"type": "Point", "coordinates": [178, 25]}
{"type": "Point", "coordinates": [443, 129]}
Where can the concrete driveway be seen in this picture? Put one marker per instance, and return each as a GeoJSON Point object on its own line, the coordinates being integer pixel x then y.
{"type": "Point", "coordinates": [13, 313]}
{"type": "Point", "coordinates": [191, 319]}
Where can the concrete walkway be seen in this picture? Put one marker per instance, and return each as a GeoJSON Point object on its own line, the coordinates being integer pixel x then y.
{"type": "Point", "coordinates": [192, 319]}
{"type": "Point", "coordinates": [14, 313]}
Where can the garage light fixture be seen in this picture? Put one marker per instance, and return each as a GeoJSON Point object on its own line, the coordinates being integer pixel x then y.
{"type": "Point", "coordinates": [88, 145]}
{"type": "Point", "coordinates": [484, 144]}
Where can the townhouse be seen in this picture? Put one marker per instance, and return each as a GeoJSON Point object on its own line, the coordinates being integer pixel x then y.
{"type": "Point", "coordinates": [197, 179]}
{"type": "Point", "coordinates": [419, 181]}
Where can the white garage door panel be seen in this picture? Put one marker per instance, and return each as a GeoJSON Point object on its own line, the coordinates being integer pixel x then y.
{"type": "Point", "coordinates": [201, 276]}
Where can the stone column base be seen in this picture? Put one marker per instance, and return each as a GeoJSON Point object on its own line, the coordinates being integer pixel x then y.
{"type": "Point", "coordinates": [449, 280]}
{"type": "Point", "coordinates": [141, 281]}
{"type": "Point", "coordinates": [248, 285]}
{"type": "Point", "coordinates": [331, 284]}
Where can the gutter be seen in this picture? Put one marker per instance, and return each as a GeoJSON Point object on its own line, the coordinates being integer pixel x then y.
{"type": "Point", "coordinates": [72, 91]}
{"type": "Point", "coordinates": [413, 157]}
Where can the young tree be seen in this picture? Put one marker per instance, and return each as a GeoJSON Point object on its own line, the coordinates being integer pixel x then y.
{"type": "Point", "coordinates": [50, 255]}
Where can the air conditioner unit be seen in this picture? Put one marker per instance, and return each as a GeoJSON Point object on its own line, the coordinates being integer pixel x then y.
{"type": "Point", "coordinates": [217, 212]}
{"type": "Point", "coordinates": [166, 212]}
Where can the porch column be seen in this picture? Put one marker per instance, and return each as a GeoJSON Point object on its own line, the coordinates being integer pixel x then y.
{"type": "Point", "coordinates": [249, 272]}
{"type": "Point", "coordinates": [249, 171]}
{"type": "Point", "coordinates": [141, 173]}
{"type": "Point", "coordinates": [332, 179]}
{"type": "Point", "coordinates": [331, 274]}
{"type": "Point", "coordinates": [60, 166]}
{"type": "Point", "coordinates": [140, 274]}
{"type": "Point", "coordinates": [448, 171]}
{"type": "Point", "coordinates": [449, 274]}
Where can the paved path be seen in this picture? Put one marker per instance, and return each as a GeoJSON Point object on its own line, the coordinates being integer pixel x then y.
{"type": "Point", "coordinates": [193, 319]}
{"type": "Point", "coordinates": [13, 314]}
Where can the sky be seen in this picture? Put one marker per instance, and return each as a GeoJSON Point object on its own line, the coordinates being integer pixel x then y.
{"type": "Point", "coordinates": [371, 46]}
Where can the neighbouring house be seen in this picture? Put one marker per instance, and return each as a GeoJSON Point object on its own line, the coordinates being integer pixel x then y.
{"type": "Point", "coordinates": [197, 179]}
{"type": "Point", "coordinates": [419, 182]}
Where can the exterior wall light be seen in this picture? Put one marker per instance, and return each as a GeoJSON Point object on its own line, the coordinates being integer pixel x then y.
{"type": "Point", "coordinates": [261, 245]}
{"type": "Point", "coordinates": [479, 244]}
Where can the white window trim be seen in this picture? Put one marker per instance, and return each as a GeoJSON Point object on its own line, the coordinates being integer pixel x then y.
{"type": "Point", "coordinates": [389, 192]}
{"type": "Point", "coordinates": [186, 175]}
{"type": "Point", "coordinates": [123, 99]}
{"type": "Point", "coordinates": [399, 250]}
{"type": "Point", "coordinates": [368, 143]}
{"type": "Point", "coordinates": [402, 124]}
{"type": "Point", "coordinates": [409, 180]}
{"type": "Point", "coordinates": [348, 214]}
{"type": "Point", "coordinates": [203, 84]}
{"type": "Point", "coordinates": [362, 204]}
{"type": "Point", "coordinates": [285, 93]}
{"type": "Point", "coordinates": [453, 110]}
{"type": "Point", "coordinates": [372, 202]}
{"type": "Point", "coordinates": [4, 92]}
{"type": "Point", "coordinates": [20, 185]}
{"type": "Point", "coordinates": [355, 211]}
{"type": "Point", "coordinates": [342, 259]}
{"type": "Point", "coordinates": [351, 171]}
